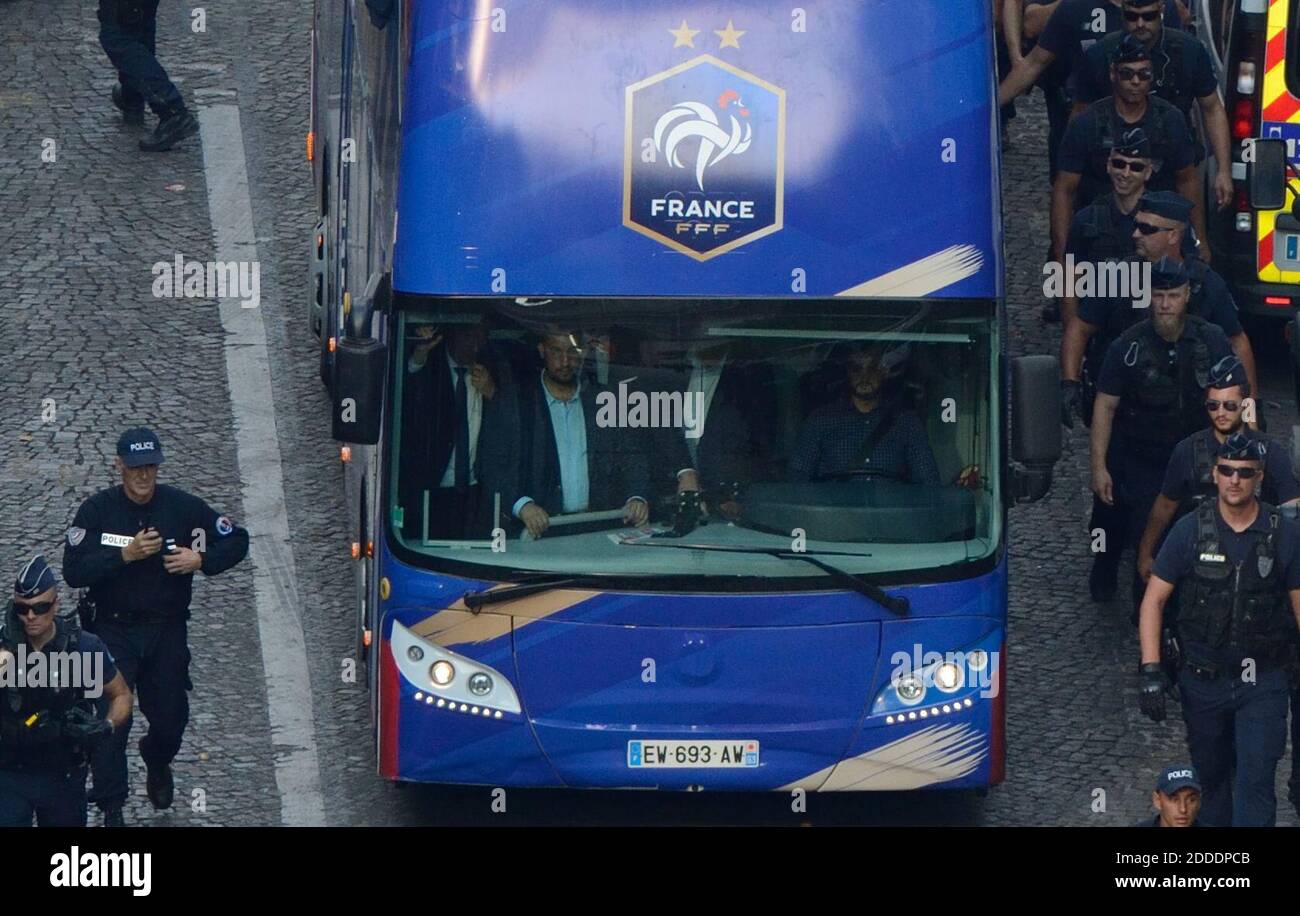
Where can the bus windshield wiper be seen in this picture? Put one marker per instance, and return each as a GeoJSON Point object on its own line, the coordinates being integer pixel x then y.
{"type": "Point", "coordinates": [896, 605]}
{"type": "Point", "coordinates": [522, 589]}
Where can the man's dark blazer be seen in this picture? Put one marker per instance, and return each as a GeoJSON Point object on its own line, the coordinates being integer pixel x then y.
{"type": "Point", "coordinates": [617, 467]}
{"type": "Point", "coordinates": [429, 424]}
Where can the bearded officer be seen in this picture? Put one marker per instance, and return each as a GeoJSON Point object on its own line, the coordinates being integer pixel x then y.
{"type": "Point", "coordinates": [137, 547]}
{"type": "Point", "coordinates": [1239, 566]}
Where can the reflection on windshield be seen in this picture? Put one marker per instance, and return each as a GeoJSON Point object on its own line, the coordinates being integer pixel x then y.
{"type": "Point", "coordinates": [547, 436]}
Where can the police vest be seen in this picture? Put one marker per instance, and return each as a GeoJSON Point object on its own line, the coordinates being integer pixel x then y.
{"type": "Point", "coordinates": [18, 749]}
{"type": "Point", "coordinates": [1163, 403]}
{"type": "Point", "coordinates": [1108, 126]}
{"type": "Point", "coordinates": [1104, 238]}
{"type": "Point", "coordinates": [1243, 609]}
{"type": "Point", "coordinates": [1197, 302]}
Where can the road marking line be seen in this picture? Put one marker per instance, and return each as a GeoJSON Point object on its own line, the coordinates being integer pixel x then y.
{"type": "Point", "coordinates": [275, 577]}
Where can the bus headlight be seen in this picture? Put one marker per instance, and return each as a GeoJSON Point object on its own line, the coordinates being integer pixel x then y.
{"type": "Point", "coordinates": [949, 677]}
{"type": "Point", "coordinates": [910, 689]}
{"type": "Point", "coordinates": [443, 672]}
{"type": "Point", "coordinates": [480, 684]}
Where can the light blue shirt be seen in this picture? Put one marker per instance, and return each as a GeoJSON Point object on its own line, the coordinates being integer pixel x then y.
{"type": "Point", "coordinates": [569, 425]}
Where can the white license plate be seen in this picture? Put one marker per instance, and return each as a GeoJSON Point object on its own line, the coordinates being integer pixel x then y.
{"type": "Point", "coordinates": [692, 755]}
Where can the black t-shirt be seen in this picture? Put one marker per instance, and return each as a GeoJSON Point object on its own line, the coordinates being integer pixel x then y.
{"type": "Point", "coordinates": [1092, 134]}
{"type": "Point", "coordinates": [1194, 78]}
{"type": "Point", "coordinates": [1182, 482]}
{"type": "Point", "coordinates": [1080, 244]}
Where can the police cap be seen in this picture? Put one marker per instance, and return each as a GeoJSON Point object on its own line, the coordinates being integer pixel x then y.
{"type": "Point", "coordinates": [1166, 204]}
{"type": "Point", "coordinates": [1133, 142]}
{"type": "Point", "coordinates": [35, 576]}
{"type": "Point", "coordinates": [1130, 50]}
{"type": "Point", "coordinates": [1169, 274]}
{"type": "Point", "coordinates": [1227, 373]}
{"type": "Point", "coordinates": [139, 446]}
{"type": "Point", "coordinates": [1178, 776]}
{"type": "Point", "coordinates": [1240, 447]}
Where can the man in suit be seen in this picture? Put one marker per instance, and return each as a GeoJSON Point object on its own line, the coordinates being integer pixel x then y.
{"type": "Point", "coordinates": [565, 461]}
{"type": "Point", "coordinates": [453, 410]}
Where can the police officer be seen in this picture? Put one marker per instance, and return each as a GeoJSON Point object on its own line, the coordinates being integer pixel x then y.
{"type": "Point", "coordinates": [1239, 566]}
{"type": "Point", "coordinates": [1183, 75]}
{"type": "Point", "coordinates": [1150, 395]}
{"type": "Point", "coordinates": [137, 547]}
{"type": "Point", "coordinates": [126, 33]}
{"type": "Point", "coordinates": [1189, 477]}
{"type": "Point", "coordinates": [1176, 798]}
{"type": "Point", "coordinates": [1100, 232]}
{"type": "Point", "coordinates": [50, 674]}
{"type": "Point", "coordinates": [1081, 174]}
{"type": "Point", "coordinates": [1161, 230]}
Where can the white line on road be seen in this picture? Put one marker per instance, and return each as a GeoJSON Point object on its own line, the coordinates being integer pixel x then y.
{"type": "Point", "coordinates": [275, 578]}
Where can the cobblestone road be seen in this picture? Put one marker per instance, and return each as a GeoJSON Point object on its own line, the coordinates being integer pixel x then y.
{"type": "Point", "coordinates": [85, 336]}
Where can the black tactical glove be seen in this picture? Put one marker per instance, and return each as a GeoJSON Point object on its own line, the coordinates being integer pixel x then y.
{"type": "Point", "coordinates": [1071, 401]}
{"type": "Point", "coordinates": [1151, 699]}
{"type": "Point", "coordinates": [85, 728]}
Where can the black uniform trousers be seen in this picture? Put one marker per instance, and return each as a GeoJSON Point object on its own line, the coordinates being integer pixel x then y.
{"type": "Point", "coordinates": [127, 35]}
{"type": "Point", "coordinates": [56, 800]}
{"type": "Point", "coordinates": [154, 659]}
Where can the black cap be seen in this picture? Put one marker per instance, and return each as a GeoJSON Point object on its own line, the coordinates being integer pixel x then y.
{"type": "Point", "coordinates": [1133, 142]}
{"type": "Point", "coordinates": [139, 446]}
{"type": "Point", "coordinates": [1166, 204]}
{"type": "Point", "coordinates": [1240, 447]}
{"type": "Point", "coordinates": [1226, 373]}
{"type": "Point", "coordinates": [1129, 50]}
{"type": "Point", "coordinates": [1168, 274]}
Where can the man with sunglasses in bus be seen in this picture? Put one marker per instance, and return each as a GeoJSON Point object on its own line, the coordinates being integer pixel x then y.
{"type": "Point", "coordinates": [1189, 477]}
{"type": "Point", "coordinates": [1239, 566]}
{"type": "Point", "coordinates": [1162, 230]}
{"type": "Point", "coordinates": [47, 724]}
{"type": "Point", "coordinates": [1149, 397]}
{"type": "Point", "coordinates": [1183, 75]}
{"type": "Point", "coordinates": [1086, 149]}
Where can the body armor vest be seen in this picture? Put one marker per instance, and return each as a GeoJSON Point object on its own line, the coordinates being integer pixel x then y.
{"type": "Point", "coordinates": [1162, 403]}
{"type": "Point", "coordinates": [18, 749]}
{"type": "Point", "coordinates": [1243, 610]}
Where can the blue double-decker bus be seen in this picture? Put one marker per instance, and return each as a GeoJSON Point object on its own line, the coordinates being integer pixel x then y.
{"type": "Point", "coordinates": [666, 340]}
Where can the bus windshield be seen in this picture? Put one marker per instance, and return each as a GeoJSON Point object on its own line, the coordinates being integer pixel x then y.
{"type": "Point", "coordinates": [860, 431]}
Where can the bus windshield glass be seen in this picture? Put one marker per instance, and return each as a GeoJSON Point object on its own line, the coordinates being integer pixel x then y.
{"type": "Point", "coordinates": [577, 436]}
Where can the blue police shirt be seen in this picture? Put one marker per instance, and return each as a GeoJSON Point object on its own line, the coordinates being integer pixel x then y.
{"type": "Point", "coordinates": [1178, 555]}
{"type": "Point", "coordinates": [1181, 481]}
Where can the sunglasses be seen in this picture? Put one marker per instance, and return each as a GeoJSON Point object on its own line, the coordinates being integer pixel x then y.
{"type": "Point", "coordinates": [41, 609]}
{"type": "Point", "coordinates": [1227, 470]}
{"type": "Point", "coordinates": [1128, 73]}
{"type": "Point", "coordinates": [1230, 406]}
{"type": "Point", "coordinates": [1133, 16]}
{"type": "Point", "coordinates": [1150, 228]}
{"type": "Point", "coordinates": [1122, 165]}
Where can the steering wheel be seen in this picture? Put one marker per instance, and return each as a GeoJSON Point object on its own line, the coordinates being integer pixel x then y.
{"type": "Point", "coordinates": [858, 473]}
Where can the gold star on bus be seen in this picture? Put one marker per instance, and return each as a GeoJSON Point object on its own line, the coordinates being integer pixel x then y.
{"type": "Point", "coordinates": [685, 36]}
{"type": "Point", "coordinates": [730, 37]}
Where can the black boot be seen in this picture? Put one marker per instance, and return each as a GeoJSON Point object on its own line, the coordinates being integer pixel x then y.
{"type": "Point", "coordinates": [171, 130]}
{"type": "Point", "coordinates": [131, 114]}
{"type": "Point", "coordinates": [113, 817]}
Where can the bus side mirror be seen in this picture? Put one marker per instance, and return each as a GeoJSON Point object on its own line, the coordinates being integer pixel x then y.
{"type": "Point", "coordinates": [1266, 175]}
{"type": "Point", "coordinates": [360, 367]}
{"type": "Point", "coordinates": [1035, 425]}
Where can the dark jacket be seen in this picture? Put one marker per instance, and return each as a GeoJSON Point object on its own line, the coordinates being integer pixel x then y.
{"type": "Point", "coordinates": [144, 590]}
{"type": "Point", "coordinates": [617, 468]}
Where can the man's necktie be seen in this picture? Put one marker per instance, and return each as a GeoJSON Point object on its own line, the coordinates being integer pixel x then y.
{"type": "Point", "coordinates": [462, 431]}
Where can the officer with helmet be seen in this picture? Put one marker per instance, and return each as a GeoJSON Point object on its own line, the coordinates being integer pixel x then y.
{"type": "Point", "coordinates": [1239, 567]}
{"type": "Point", "coordinates": [51, 673]}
